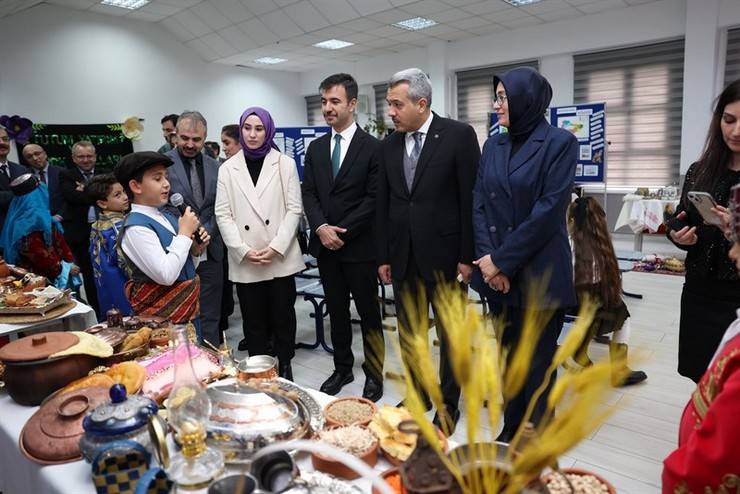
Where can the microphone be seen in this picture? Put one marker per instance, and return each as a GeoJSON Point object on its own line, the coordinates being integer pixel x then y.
{"type": "Point", "coordinates": [177, 200]}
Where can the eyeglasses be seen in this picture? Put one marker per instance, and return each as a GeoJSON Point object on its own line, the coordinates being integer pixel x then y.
{"type": "Point", "coordinates": [4, 139]}
{"type": "Point", "coordinates": [500, 99]}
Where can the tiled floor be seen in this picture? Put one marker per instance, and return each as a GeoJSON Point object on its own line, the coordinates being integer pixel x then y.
{"type": "Point", "coordinates": [628, 449]}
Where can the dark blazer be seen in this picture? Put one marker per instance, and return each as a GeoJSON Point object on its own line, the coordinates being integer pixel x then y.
{"type": "Point", "coordinates": [434, 217]}
{"type": "Point", "coordinates": [347, 200]}
{"type": "Point", "coordinates": [6, 195]}
{"type": "Point", "coordinates": [519, 213]}
{"type": "Point", "coordinates": [76, 205]}
{"type": "Point", "coordinates": [56, 200]}
{"type": "Point", "coordinates": [179, 182]}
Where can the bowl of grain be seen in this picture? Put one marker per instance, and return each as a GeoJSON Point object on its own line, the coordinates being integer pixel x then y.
{"type": "Point", "coordinates": [353, 439]}
{"type": "Point", "coordinates": [349, 410]}
{"type": "Point", "coordinates": [577, 481]}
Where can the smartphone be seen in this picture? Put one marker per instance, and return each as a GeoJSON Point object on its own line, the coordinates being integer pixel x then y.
{"type": "Point", "coordinates": [704, 202]}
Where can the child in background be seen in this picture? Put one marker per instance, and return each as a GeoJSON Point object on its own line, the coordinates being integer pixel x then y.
{"type": "Point", "coordinates": [597, 276]}
{"type": "Point", "coordinates": [109, 268]}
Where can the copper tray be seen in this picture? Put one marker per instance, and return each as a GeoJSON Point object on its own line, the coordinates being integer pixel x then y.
{"type": "Point", "coordinates": [33, 309]}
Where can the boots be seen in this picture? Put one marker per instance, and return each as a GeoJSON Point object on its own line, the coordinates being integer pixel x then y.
{"type": "Point", "coordinates": [618, 352]}
{"type": "Point", "coordinates": [285, 370]}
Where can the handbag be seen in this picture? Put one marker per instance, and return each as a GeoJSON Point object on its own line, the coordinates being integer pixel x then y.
{"type": "Point", "coordinates": [301, 234]}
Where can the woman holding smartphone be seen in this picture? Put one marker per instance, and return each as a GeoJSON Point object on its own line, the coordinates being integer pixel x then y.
{"type": "Point", "coordinates": [711, 293]}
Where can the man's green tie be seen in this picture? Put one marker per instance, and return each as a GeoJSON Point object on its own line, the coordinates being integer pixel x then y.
{"type": "Point", "coordinates": [336, 155]}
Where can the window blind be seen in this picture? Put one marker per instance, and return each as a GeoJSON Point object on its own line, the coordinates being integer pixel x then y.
{"type": "Point", "coordinates": [475, 95]}
{"type": "Point", "coordinates": [313, 110]}
{"type": "Point", "coordinates": [643, 90]}
{"type": "Point", "coordinates": [732, 61]}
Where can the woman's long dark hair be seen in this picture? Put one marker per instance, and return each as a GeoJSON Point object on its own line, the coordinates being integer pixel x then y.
{"type": "Point", "coordinates": [594, 251]}
{"type": "Point", "coordinates": [716, 155]}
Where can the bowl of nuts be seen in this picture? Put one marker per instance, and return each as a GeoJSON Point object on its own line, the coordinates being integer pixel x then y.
{"type": "Point", "coordinates": [577, 481]}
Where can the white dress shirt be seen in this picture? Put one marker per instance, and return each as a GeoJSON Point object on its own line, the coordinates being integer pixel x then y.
{"type": "Point", "coordinates": [142, 246]}
{"type": "Point", "coordinates": [347, 135]}
{"type": "Point", "coordinates": [423, 130]}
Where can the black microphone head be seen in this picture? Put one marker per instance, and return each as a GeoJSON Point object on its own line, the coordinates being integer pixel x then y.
{"type": "Point", "coordinates": [177, 200]}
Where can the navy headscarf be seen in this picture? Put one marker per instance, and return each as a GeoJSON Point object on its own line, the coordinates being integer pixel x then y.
{"type": "Point", "coordinates": [264, 115]}
{"type": "Point", "coordinates": [528, 95]}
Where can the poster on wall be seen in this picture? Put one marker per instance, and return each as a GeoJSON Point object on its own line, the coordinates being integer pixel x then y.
{"type": "Point", "coordinates": [57, 140]}
{"type": "Point", "coordinates": [588, 123]}
{"type": "Point", "coordinates": [294, 142]}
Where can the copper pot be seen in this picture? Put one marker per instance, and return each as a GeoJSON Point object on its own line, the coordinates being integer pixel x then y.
{"type": "Point", "coordinates": [31, 374]}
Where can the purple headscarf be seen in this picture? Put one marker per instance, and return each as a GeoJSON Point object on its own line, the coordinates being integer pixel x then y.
{"type": "Point", "coordinates": [264, 115]}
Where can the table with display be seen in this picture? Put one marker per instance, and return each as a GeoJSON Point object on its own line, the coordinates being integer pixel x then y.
{"type": "Point", "coordinates": [79, 317]}
{"type": "Point", "coordinates": [641, 214]}
{"type": "Point", "coordinates": [19, 475]}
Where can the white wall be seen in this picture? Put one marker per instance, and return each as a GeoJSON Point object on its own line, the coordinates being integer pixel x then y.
{"type": "Point", "coordinates": [62, 66]}
{"type": "Point", "coordinates": [701, 22]}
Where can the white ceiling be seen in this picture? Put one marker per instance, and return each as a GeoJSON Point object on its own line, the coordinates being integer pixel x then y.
{"type": "Point", "coordinates": [236, 32]}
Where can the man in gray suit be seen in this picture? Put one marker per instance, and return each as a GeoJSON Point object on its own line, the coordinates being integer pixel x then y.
{"type": "Point", "coordinates": [194, 175]}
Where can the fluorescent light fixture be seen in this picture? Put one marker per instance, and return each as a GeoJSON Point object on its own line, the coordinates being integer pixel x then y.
{"type": "Point", "coordinates": [333, 44]}
{"type": "Point", "coordinates": [270, 60]}
{"type": "Point", "coordinates": [415, 24]}
{"type": "Point", "coordinates": [126, 4]}
{"type": "Point", "coordinates": [519, 3]}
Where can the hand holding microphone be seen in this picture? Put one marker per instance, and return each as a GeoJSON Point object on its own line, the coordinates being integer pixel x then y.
{"type": "Point", "coordinates": [188, 221]}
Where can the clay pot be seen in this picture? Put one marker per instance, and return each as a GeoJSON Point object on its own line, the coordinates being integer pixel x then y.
{"type": "Point", "coordinates": [331, 422]}
{"type": "Point", "coordinates": [28, 383]}
{"type": "Point", "coordinates": [577, 471]}
{"type": "Point", "coordinates": [339, 469]}
{"type": "Point", "coordinates": [31, 374]}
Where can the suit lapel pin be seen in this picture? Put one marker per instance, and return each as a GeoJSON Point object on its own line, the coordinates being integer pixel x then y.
{"type": "Point", "coordinates": [436, 136]}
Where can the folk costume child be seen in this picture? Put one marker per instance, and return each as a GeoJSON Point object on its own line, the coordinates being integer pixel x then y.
{"type": "Point", "coordinates": [159, 250]}
{"type": "Point", "coordinates": [108, 267]}
{"type": "Point", "coordinates": [597, 276]}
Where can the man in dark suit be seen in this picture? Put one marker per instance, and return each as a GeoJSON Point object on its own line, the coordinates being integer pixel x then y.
{"type": "Point", "coordinates": [79, 213]}
{"type": "Point", "coordinates": [36, 158]}
{"type": "Point", "coordinates": [8, 171]}
{"type": "Point", "coordinates": [194, 175]}
{"type": "Point", "coordinates": [424, 211]}
{"type": "Point", "coordinates": [339, 184]}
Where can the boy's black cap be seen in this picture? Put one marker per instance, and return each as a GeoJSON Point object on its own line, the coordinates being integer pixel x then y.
{"type": "Point", "coordinates": [132, 163]}
{"type": "Point", "coordinates": [24, 184]}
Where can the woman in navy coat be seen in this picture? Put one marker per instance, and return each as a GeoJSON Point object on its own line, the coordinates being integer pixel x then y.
{"type": "Point", "coordinates": [519, 213]}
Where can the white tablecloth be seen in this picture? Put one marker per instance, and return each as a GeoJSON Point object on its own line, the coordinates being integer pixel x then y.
{"type": "Point", "coordinates": [19, 475]}
{"type": "Point", "coordinates": [643, 214]}
{"type": "Point", "coordinates": [81, 316]}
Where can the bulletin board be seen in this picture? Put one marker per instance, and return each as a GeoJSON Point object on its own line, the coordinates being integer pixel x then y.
{"type": "Point", "coordinates": [294, 141]}
{"type": "Point", "coordinates": [588, 123]}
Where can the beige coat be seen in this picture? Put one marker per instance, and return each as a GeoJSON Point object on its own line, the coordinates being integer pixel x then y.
{"type": "Point", "coordinates": [254, 217]}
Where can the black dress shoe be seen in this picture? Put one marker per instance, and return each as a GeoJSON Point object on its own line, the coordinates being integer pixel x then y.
{"type": "Point", "coordinates": [453, 415]}
{"type": "Point", "coordinates": [427, 404]}
{"type": "Point", "coordinates": [373, 389]}
{"type": "Point", "coordinates": [335, 382]}
{"type": "Point", "coordinates": [285, 371]}
{"type": "Point", "coordinates": [506, 436]}
{"type": "Point", "coordinates": [243, 345]}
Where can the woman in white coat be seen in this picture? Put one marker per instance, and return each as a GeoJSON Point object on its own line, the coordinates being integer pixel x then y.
{"type": "Point", "coordinates": [258, 208]}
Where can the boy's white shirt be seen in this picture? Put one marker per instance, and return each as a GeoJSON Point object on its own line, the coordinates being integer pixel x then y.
{"type": "Point", "coordinates": [141, 245]}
